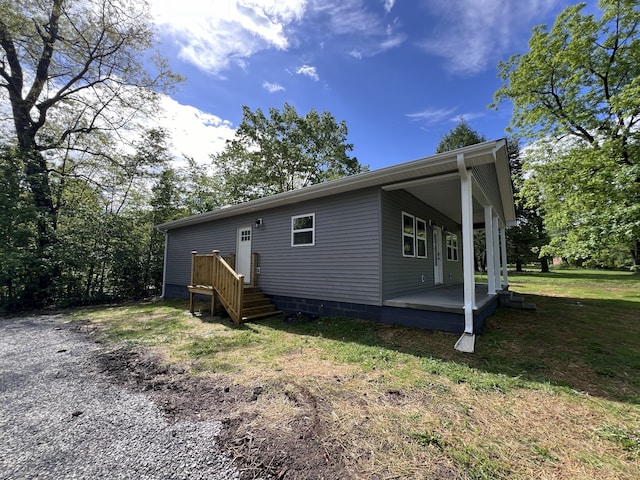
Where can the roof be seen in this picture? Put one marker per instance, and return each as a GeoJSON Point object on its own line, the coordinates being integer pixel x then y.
{"type": "Point", "coordinates": [444, 165]}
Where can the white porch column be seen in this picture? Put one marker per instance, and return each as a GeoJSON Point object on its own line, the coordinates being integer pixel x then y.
{"type": "Point", "coordinates": [496, 253]}
{"type": "Point", "coordinates": [489, 242]}
{"type": "Point", "coordinates": [467, 342]}
{"type": "Point", "coordinates": [466, 198]}
{"type": "Point", "coordinates": [503, 255]}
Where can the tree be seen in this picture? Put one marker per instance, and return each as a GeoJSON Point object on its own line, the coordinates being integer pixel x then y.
{"type": "Point", "coordinates": [202, 188]}
{"type": "Point", "coordinates": [526, 239]}
{"type": "Point", "coordinates": [460, 136]}
{"type": "Point", "coordinates": [17, 222]}
{"type": "Point", "coordinates": [284, 152]}
{"type": "Point", "coordinates": [71, 69]}
{"type": "Point", "coordinates": [577, 93]}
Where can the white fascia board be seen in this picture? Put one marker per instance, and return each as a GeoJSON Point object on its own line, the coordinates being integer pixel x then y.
{"type": "Point", "coordinates": [434, 165]}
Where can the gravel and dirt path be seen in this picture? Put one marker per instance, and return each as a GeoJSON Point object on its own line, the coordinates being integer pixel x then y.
{"type": "Point", "coordinates": [62, 415]}
{"type": "Point", "coordinates": [73, 406]}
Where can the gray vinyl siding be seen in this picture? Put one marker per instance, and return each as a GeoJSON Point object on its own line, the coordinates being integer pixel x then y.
{"type": "Point", "coordinates": [486, 176]}
{"type": "Point", "coordinates": [401, 274]}
{"type": "Point", "coordinates": [342, 266]}
{"type": "Point", "coordinates": [203, 238]}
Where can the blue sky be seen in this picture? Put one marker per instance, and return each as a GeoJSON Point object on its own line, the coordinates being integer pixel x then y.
{"type": "Point", "coordinates": [400, 73]}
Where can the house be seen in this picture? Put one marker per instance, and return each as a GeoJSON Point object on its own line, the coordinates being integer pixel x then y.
{"type": "Point", "coordinates": [393, 245]}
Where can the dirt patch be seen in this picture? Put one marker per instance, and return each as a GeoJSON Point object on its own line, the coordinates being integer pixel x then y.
{"type": "Point", "coordinates": [261, 449]}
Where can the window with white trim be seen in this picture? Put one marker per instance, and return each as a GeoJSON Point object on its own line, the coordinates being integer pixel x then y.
{"type": "Point", "coordinates": [303, 230]}
{"type": "Point", "coordinates": [421, 238]}
{"type": "Point", "coordinates": [408, 235]}
{"type": "Point", "coordinates": [452, 247]}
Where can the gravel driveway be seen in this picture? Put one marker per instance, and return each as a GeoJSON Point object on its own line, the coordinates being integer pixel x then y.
{"type": "Point", "coordinates": [61, 418]}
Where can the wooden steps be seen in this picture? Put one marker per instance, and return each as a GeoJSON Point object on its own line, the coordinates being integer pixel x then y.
{"type": "Point", "coordinates": [256, 305]}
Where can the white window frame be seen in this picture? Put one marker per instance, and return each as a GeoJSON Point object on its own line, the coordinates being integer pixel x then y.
{"type": "Point", "coordinates": [452, 247]}
{"type": "Point", "coordinates": [419, 239]}
{"type": "Point", "coordinates": [303, 230]}
{"type": "Point", "coordinates": [406, 235]}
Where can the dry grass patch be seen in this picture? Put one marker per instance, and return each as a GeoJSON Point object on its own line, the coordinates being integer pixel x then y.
{"type": "Point", "coordinates": [553, 394]}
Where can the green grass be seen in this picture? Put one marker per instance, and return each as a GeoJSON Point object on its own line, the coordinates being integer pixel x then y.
{"type": "Point", "coordinates": [556, 389]}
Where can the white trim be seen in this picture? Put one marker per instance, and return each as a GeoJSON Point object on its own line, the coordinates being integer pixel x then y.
{"type": "Point", "coordinates": [503, 256]}
{"type": "Point", "coordinates": [496, 253]}
{"type": "Point", "coordinates": [243, 257]}
{"type": "Point", "coordinates": [491, 152]}
{"type": "Point", "coordinates": [426, 243]}
{"type": "Point", "coordinates": [454, 248]}
{"type": "Point", "coordinates": [466, 202]}
{"type": "Point", "coordinates": [438, 261]}
{"type": "Point", "coordinates": [413, 236]}
{"type": "Point", "coordinates": [164, 264]}
{"type": "Point", "coordinates": [421, 181]}
{"type": "Point", "coordinates": [303, 230]}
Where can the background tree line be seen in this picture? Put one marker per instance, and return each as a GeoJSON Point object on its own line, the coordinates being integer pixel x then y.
{"type": "Point", "coordinates": [82, 182]}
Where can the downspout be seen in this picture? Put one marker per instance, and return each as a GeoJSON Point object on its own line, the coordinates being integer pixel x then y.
{"type": "Point", "coordinates": [503, 255]}
{"type": "Point", "coordinates": [164, 261]}
{"type": "Point", "coordinates": [496, 253]}
{"type": "Point", "coordinates": [466, 343]}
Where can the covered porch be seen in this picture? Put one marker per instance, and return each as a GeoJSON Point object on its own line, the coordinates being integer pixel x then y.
{"type": "Point", "coordinates": [442, 308]}
{"type": "Point", "coordinates": [476, 192]}
{"type": "Point", "coordinates": [444, 298]}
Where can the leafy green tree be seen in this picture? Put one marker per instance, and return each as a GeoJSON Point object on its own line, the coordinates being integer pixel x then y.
{"type": "Point", "coordinates": [202, 188]}
{"type": "Point", "coordinates": [17, 230]}
{"type": "Point", "coordinates": [283, 152]}
{"type": "Point", "coordinates": [577, 92]}
{"type": "Point", "coordinates": [462, 135]}
{"type": "Point", "coordinates": [68, 70]}
{"type": "Point", "coordinates": [525, 240]}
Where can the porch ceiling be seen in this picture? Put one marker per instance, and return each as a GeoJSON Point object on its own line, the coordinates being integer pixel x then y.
{"type": "Point", "coordinates": [444, 196]}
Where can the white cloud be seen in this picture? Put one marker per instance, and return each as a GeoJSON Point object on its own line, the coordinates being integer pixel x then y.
{"type": "Point", "coordinates": [193, 133]}
{"type": "Point", "coordinates": [273, 87]}
{"type": "Point", "coordinates": [472, 35]}
{"type": "Point", "coordinates": [432, 116]}
{"type": "Point", "coordinates": [308, 71]}
{"type": "Point", "coordinates": [467, 116]}
{"type": "Point", "coordinates": [364, 31]}
{"type": "Point", "coordinates": [216, 34]}
{"type": "Point", "coordinates": [388, 5]}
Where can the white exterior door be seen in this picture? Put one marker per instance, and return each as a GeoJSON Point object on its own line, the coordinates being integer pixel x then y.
{"type": "Point", "coordinates": [243, 253]}
{"type": "Point", "coordinates": [438, 275]}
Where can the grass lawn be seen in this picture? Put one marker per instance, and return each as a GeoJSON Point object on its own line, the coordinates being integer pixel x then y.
{"type": "Point", "coordinates": [548, 394]}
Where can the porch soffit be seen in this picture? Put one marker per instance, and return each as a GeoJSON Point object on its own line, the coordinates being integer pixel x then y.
{"type": "Point", "coordinates": [444, 196]}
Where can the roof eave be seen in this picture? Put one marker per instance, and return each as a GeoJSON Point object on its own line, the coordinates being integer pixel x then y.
{"type": "Point", "coordinates": [434, 165]}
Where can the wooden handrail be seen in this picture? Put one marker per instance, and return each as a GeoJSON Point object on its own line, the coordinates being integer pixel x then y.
{"type": "Point", "coordinates": [229, 285]}
{"type": "Point", "coordinates": [212, 272]}
{"type": "Point", "coordinates": [201, 269]}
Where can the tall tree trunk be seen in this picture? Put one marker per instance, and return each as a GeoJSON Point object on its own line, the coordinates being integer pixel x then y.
{"type": "Point", "coordinates": [37, 176]}
{"type": "Point", "coordinates": [544, 265]}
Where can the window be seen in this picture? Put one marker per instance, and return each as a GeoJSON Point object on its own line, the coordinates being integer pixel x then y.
{"type": "Point", "coordinates": [452, 247]}
{"type": "Point", "coordinates": [421, 238]}
{"type": "Point", "coordinates": [303, 230]}
{"type": "Point", "coordinates": [408, 235]}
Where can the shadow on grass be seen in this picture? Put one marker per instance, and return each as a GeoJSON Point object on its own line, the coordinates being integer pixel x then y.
{"type": "Point", "coordinates": [586, 345]}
